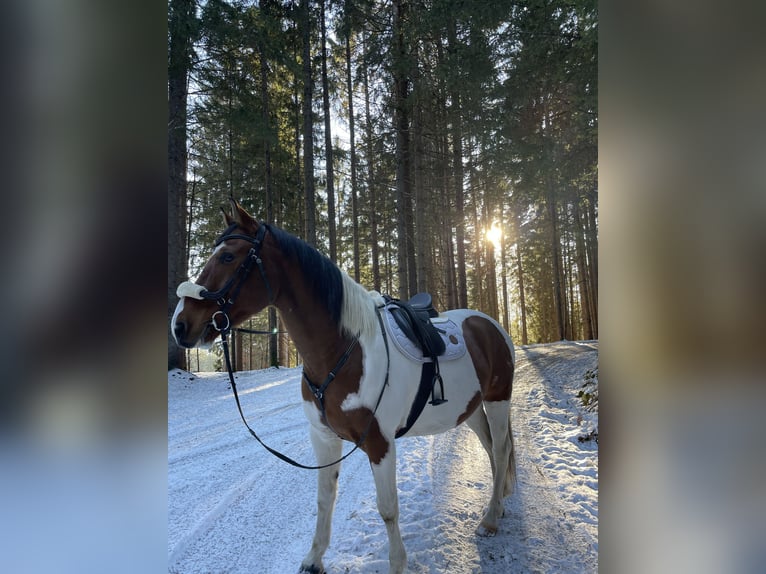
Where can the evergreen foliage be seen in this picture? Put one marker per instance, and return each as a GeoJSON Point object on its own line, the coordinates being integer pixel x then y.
{"type": "Point", "coordinates": [466, 115]}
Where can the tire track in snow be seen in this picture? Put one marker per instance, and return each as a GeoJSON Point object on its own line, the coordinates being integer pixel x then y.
{"type": "Point", "coordinates": [208, 520]}
{"type": "Point", "coordinates": [233, 508]}
{"type": "Point", "coordinates": [550, 529]}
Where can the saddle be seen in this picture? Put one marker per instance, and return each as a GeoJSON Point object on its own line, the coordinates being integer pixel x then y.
{"type": "Point", "coordinates": [414, 319]}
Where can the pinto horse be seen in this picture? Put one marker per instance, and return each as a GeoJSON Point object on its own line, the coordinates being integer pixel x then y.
{"type": "Point", "coordinates": [336, 327]}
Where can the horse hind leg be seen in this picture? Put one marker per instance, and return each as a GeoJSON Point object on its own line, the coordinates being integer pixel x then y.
{"type": "Point", "coordinates": [479, 424]}
{"type": "Point", "coordinates": [510, 479]}
{"type": "Point", "coordinates": [502, 455]}
{"type": "Point", "coordinates": [327, 447]}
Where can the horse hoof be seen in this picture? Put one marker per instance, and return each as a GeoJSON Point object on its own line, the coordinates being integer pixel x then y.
{"type": "Point", "coordinates": [312, 570]}
{"type": "Point", "coordinates": [486, 531]}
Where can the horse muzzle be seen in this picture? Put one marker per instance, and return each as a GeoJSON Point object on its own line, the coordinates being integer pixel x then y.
{"type": "Point", "coordinates": [180, 334]}
{"type": "Point", "coordinates": [184, 331]}
{"type": "Point", "coordinates": [184, 338]}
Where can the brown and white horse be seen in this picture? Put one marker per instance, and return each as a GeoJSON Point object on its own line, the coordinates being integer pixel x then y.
{"type": "Point", "coordinates": [324, 312]}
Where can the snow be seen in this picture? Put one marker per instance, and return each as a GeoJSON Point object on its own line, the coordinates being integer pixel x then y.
{"type": "Point", "coordinates": [235, 508]}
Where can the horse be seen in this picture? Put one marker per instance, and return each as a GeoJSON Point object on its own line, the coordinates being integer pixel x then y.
{"type": "Point", "coordinates": [370, 386]}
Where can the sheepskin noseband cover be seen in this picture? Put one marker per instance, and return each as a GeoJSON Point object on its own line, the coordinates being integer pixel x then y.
{"type": "Point", "coordinates": [189, 289]}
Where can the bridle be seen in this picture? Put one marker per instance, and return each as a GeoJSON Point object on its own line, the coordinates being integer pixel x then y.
{"type": "Point", "coordinates": [225, 297]}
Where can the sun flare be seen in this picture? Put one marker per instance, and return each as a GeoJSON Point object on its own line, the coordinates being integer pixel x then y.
{"type": "Point", "coordinates": [495, 235]}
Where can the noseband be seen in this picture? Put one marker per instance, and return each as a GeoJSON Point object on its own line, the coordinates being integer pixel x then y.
{"type": "Point", "coordinates": [226, 295]}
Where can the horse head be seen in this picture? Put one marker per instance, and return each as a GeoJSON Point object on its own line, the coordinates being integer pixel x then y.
{"type": "Point", "coordinates": [225, 294]}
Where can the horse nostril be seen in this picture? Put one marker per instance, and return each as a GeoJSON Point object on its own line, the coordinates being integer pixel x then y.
{"type": "Point", "coordinates": [178, 330]}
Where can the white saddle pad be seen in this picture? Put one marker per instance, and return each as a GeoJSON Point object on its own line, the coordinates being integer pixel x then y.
{"type": "Point", "coordinates": [448, 329]}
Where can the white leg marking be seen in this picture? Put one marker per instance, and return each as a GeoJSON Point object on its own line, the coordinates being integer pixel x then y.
{"type": "Point", "coordinates": [388, 506]}
{"type": "Point", "coordinates": [497, 417]}
{"type": "Point", "coordinates": [327, 447]}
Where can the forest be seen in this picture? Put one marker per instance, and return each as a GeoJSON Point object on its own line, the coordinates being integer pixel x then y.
{"type": "Point", "coordinates": [447, 146]}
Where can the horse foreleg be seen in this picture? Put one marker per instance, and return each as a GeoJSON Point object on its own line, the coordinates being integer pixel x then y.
{"type": "Point", "coordinates": [327, 447]}
{"type": "Point", "coordinates": [388, 506]}
{"type": "Point", "coordinates": [497, 416]}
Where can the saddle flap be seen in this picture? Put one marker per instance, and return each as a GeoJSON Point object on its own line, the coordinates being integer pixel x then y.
{"type": "Point", "coordinates": [450, 333]}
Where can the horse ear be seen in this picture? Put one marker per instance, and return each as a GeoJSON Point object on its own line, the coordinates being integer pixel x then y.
{"type": "Point", "coordinates": [227, 219]}
{"type": "Point", "coordinates": [238, 215]}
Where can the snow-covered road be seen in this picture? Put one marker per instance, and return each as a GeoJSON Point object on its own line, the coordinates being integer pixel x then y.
{"type": "Point", "coordinates": [234, 508]}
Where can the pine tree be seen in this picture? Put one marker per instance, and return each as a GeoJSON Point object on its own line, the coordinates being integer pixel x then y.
{"type": "Point", "coordinates": [464, 114]}
{"type": "Point", "coordinates": [181, 31]}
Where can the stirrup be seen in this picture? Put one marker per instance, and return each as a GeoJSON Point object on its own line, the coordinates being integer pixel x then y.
{"type": "Point", "coordinates": [434, 401]}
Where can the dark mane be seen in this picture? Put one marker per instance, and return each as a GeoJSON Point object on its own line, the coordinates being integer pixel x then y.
{"type": "Point", "coordinates": [322, 275]}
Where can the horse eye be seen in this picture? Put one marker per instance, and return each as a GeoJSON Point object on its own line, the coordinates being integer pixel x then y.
{"type": "Point", "coordinates": [227, 257]}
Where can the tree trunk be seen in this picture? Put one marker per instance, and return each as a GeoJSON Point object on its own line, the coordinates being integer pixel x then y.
{"type": "Point", "coordinates": [389, 271]}
{"type": "Point", "coordinates": [284, 345]}
{"type": "Point", "coordinates": [372, 188]}
{"type": "Point", "coordinates": [586, 303]}
{"type": "Point", "coordinates": [237, 340]}
{"type": "Point", "coordinates": [457, 158]}
{"type": "Point", "coordinates": [297, 130]}
{"type": "Point", "coordinates": [421, 229]}
{"type": "Point", "coordinates": [448, 262]}
{"type": "Point", "coordinates": [352, 149]}
{"type": "Point", "coordinates": [418, 232]}
{"type": "Point", "coordinates": [504, 276]}
{"type": "Point", "coordinates": [457, 166]}
{"type": "Point", "coordinates": [592, 252]}
{"type": "Point", "coordinates": [409, 227]}
{"type": "Point", "coordinates": [401, 121]}
{"type": "Point", "coordinates": [180, 28]}
{"type": "Point", "coordinates": [479, 300]}
{"type": "Point", "coordinates": [330, 169]}
{"type": "Point", "coordinates": [266, 104]}
{"type": "Point", "coordinates": [230, 143]}
{"type": "Point", "coordinates": [522, 297]}
{"type": "Point", "coordinates": [308, 127]}
{"type": "Point", "coordinates": [489, 247]}
{"type": "Point", "coordinates": [189, 214]}
{"type": "Point", "coordinates": [554, 238]}
{"type": "Point", "coordinates": [572, 331]}
{"type": "Point", "coordinates": [555, 253]}
{"type": "Point", "coordinates": [452, 298]}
